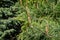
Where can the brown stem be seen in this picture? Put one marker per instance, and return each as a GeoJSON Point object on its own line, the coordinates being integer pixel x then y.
{"type": "Point", "coordinates": [28, 13]}
{"type": "Point", "coordinates": [36, 4]}
{"type": "Point", "coordinates": [46, 29]}
{"type": "Point", "coordinates": [20, 2]}
{"type": "Point", "coordinates": [46, 1]}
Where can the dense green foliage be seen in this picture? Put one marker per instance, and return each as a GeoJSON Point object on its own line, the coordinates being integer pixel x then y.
{"type": "Point", "coordinates": [14, 23]}
{"type": "Point", "coordinates": [9, 26]}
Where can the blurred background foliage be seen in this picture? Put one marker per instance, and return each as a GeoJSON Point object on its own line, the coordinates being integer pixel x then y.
{"type": "Point", "coordinates": [14, 20]}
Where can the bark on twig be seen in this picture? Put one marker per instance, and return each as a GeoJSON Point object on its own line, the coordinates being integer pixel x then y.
{"type": "Point", "coordinates": [28, 14]}
{"type": "Point", "coordinates": [36, 4]}
{"type": "Point", "coordinates": [21, 2]}
{"type": "Point", "coordinates": [46, 29]}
